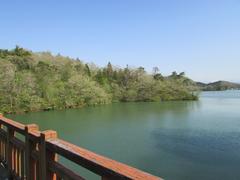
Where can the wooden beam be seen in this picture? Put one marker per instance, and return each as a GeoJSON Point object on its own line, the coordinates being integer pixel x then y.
{"type": "Point", "coordinates": [105, 167]}
{"type": "Point", "coordinates": [30, 146]}
{"type": "Point", "coordinates": [46, 155]}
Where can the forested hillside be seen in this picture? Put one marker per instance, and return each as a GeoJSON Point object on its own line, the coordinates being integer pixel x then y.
{"type": "Point", "coordinates": [40, 81]}
{"type": "Point", "coordinates": [218, 86]}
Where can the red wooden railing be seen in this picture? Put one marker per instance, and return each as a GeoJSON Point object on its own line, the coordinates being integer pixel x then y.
{"type": "Point", "coordinates": [30, 154]}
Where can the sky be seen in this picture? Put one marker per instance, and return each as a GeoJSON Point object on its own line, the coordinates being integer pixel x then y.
{"type": "Point", "coordinates": [199, 37]}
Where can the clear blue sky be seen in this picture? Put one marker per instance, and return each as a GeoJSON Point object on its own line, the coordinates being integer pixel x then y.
{"type": "Point", "coordinates": [200, 37]}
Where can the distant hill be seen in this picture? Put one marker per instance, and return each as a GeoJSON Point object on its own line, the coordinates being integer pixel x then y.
{"type": "Point", "coordinates": [218, 86]}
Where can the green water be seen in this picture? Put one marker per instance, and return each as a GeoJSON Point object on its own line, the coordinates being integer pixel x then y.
{"type": "Point", "coordinates": [174, 140]}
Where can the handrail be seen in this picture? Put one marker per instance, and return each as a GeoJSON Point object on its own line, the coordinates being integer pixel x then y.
{"type": "Point", "coordinates": [36, 158]}
{"type": "Point", "coordinates": [100, 165]}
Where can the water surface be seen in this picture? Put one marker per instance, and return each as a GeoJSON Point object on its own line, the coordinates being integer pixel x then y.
{"type": "Point", "coordinates": [175, 140]}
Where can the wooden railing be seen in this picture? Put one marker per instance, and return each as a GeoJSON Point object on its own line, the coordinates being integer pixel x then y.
{"type": "Point", "coordinates": [28, 153]}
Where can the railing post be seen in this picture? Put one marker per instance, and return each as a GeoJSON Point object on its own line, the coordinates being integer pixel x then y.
{"type": "Point", "coordinates": [30, 146]}
{"type": "Point", "coordinates": [9, 157]}
{"type": "Point", "coordinates": [46, 155]}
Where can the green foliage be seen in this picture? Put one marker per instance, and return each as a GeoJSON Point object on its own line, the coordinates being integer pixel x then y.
{"type": "Point", "coordinates": [87, 70]}
{"type": "Point", "coordinates": [40, 81]}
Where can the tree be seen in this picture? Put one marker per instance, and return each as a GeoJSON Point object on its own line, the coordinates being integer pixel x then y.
{"type": "Point", "coordinates": [41, 81]}
{"type": "Point", "coordinates": [158, 76]}
{"type": "Point", "coordinates": [109, 70]}
{"type": "Point", "coordinates": [87, 70]}
{"type": "Point", "coordinates": [182, 74]}
{"type": "Point", "coordinates": [155, 70]}
{"type": "Point", "coordinates": [7, 85]}
{"type": "Point", "coordinates": [21, 52]}
{"type": "Point", "coordinates": [66, 71]}
{"type": "Point", "coordinates": [174, 73]}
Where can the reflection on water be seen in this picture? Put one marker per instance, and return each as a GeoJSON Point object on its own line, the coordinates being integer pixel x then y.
{"type": "Point", "coordinates": [174, 140]}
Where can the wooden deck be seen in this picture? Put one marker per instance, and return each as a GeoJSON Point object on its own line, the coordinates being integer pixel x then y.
{"type": "Point", "coordinates": [30, 154]}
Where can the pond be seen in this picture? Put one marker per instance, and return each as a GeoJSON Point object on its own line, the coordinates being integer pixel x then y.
{"type": "Point", "coordinates": [174, 140]}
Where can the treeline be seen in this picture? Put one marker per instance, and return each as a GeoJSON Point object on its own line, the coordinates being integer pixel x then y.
{"type": "Point", "coordinates": [40, 81]}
